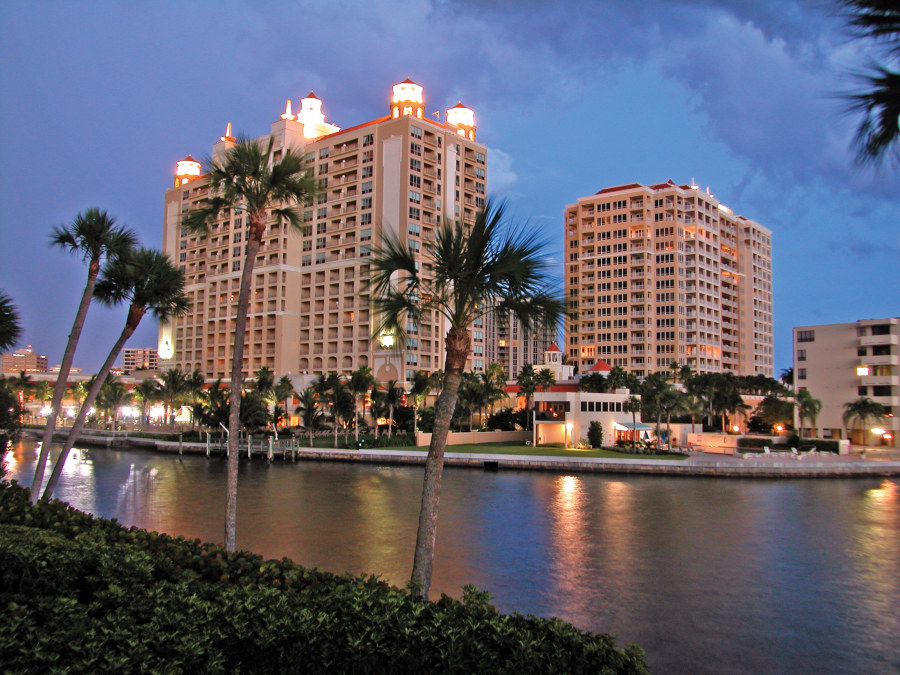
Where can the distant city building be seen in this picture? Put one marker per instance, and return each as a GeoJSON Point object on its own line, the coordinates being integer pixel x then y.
{"type": "Point", "coordinates": [23, 360]}
{"type": "Point", "coordinates": [512, 347]}
{"type": "Point", "coordinates": [74, 370]}
{"type": "Point", "coordinates": [146, 358]}
{"type": "Point", "coordinates": [839, 363]}
{"type": "Point", "coordinates": [663, 273]}
{"type": "Point", "coordinates": [310, 308]}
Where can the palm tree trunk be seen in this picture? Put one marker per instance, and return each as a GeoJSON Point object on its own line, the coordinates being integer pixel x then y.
{"type": "Point", "coordinates": [62, 379]}
{"type": "Point", "coordinates": [390, 419]}
{"type": "Point", "coordinates": [135, 314]}
{"type": "Point", "coordinates": [237, 380]}
{"type": "Point", "coordinates": [457, 348]}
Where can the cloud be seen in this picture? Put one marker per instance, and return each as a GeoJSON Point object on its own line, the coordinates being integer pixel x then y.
{"type": "Point", "coordinates": [501, 177]}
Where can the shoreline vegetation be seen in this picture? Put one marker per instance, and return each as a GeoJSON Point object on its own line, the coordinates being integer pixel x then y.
{"type": "Point", "coordinates": [86, 594]}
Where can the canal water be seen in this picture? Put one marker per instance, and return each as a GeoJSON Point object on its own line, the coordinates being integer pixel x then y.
{"type": "Point", "coordinates": [707, 575]}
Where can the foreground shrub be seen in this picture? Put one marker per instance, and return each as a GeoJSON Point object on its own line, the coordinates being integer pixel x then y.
{"type": "Point", "coordinates": [82, 594]}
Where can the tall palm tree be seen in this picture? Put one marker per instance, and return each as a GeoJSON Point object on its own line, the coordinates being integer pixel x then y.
{"type": "Point", "coordinates": [527, 383]}
{"type": "Point", "coordinates": [493, 383]}
{"type": "Point", "coordinates": [193, 390]}
{"type": "Point", "coordinates": [10, 324]}
{"type": "Point", "coordinates": [421, 384]}
{"type": "Point", "coordinates": [149, 282]}
{"type": "Point", "coordinates": [308, 410]}
{"type": "Point", "coordinates": [393, 396]}
{"type": "Point", "coordinates": [879, 102]}
{"type": "Point", "coordinates": [94, 237]}
{"type": "Point", "coordinates": [360, 383]}
{"type": "Point", "coordinates": [632, 405]}
{"type": "Point", "coordinates": [474, 271]}
{"type": "Point", "coordinates": [808, 408]}
{"type": "Point", "coordinates": [862, 412]}
{"type": "Point", "coordinates": [248, 178]}
{"type": "Point", "coordinates": [328, 388]}
{"type": "Point", "coordinates": [146, 392]}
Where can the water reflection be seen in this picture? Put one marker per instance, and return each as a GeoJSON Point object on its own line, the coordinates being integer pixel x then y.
{"type": "Point", "coordinates": [709, 576]}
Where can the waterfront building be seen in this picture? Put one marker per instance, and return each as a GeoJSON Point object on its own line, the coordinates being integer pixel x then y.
{"type": "Point", "coordinates": [311, 312]}
{"type": "Point", "coordinates": [146, 358]}
{"type": "Point", "coordinates": [663, 273]}
{"type": "Point", "coordinates": [841, 362]}
{"type": "Point", "coordinates": [25, 359]}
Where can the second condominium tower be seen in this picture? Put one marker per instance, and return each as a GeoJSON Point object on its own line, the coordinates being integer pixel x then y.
{"type": "Point", "coordinates": [310, 310]}
{"type": "Point", "coordinates": [663, 273]}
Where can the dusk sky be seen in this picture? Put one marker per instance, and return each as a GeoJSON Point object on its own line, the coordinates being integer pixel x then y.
{"type": "Point", "coordinates": [98, 101]}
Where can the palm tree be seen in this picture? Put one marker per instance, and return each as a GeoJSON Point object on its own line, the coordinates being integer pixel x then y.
{"type": "Point", "coordinates": [22, 383]}
{"type": "Point", "coordinates": [328, 388]}
{"type": "Point", "coordinates": [42, 392]}
{"type": "Point", "coordinates": [862, 412]}
{"type": "Point", "coordinates": [808, 408]}
{"type": "Point", "coordinates": [632, 405]}
{"type": "Point", "coordinates": [308, 410]}
{"type": "Point", "coordinates": [281, 392]}
{"type": "Point", "coordinates": [146, 392]}
{"type": "Point", "coordinates": [475, 270]}
{"type": "Point", "coordinates": [544, 379]}
{"type": "Point", "coordinates": [669, 400]}
{"type": "Point", "coordinates": [113, 396]}
{"type": "Point", "coordinates": [250, 179]}
{"type": "Point", "coordinates": [527, 383]}
{"type": "Point", "coordinates": [214, 414]}
{"type": "Point", "coordinates": [95, 238]}
{"type": "Point", "coordinates": [693, 406]}
{"type": "Point", "coordinates": [879, 102]}
{"type": "Point", "coordinates": [265, 380]}
{"type": "Point", "coordinates": [174, 387]}
{"type": "Point", "coordinates": [493, 382]}
{"type": "Point", "coordinates": [149, 281]}
{"type": "Point", "coordinates": [787, 377]}
{"type": "Point", "coordinates": [360, 383]}
{"type": "Point", "coordinates": [10, 324]}
{"type": "Point", "coordinates": [419, 387]}
{"type": "Point", "coordinates": [193, 387]}
{"type": "Point", "coordinates": [393, 397]}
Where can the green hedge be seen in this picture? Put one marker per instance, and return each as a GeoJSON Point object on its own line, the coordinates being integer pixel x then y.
{"type": "Point", "coordinates": [82, 594]}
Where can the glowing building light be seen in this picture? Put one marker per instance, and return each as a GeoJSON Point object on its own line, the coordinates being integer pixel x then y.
{"type": "Point", "coordinates": [408, 92]}
{"type": "Point", "coordinates": [460, 115]}
{"type": "Point", "coordinates": [186, 170]}
{"type": "Point", "coordinates": [287, 115]}
{"type": "Point", "coordinates": [862, 371]}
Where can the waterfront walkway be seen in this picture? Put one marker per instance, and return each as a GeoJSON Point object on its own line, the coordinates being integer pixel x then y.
{"type": "Point", "coordinates": [877, 463]}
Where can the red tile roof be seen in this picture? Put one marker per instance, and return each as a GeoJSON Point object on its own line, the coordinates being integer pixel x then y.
{"type": "Point", "coordinates": [618, 187]}
{"type": "Point", "coordinates": [600, 367]}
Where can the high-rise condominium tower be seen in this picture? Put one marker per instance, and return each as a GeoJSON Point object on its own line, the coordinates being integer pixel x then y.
{"type": "Point", "coordinates": [665, 273]}
{"type": "Point", "coordinates": [310, 308]}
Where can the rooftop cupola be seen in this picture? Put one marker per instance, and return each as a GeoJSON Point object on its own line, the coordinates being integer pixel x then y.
{"type": "Point", "coordinates": [463, 119]}
{"type": "Point", "coordinates": [186, 170]}
{"type": "Point", "coordinates": [408, 99]}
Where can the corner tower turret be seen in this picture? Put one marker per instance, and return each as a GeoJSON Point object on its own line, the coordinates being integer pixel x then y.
{"type": "Point", "coordinates": [463, 119]}
{"type": "Point", "coordinates": [408, 99]}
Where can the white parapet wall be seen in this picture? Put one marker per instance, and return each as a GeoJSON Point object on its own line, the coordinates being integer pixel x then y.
{"type": "Point", "coordinates": [460, 437]}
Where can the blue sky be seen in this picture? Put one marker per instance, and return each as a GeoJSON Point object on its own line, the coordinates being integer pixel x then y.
{"type": "Point", "coordinates": [98, 100]}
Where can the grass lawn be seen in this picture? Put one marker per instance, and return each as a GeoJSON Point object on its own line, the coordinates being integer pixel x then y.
{"type": "Point", "coordinates": [545, 451]}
